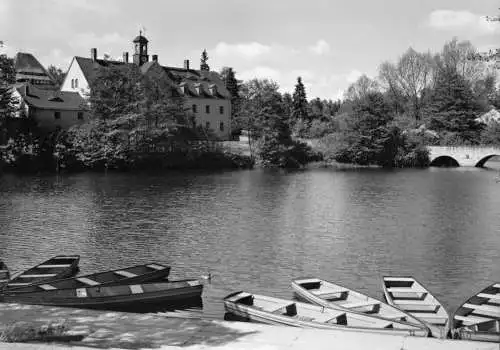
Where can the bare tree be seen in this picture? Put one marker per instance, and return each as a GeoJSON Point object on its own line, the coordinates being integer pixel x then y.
{"type": "Point", "coordinates": [361, 87]}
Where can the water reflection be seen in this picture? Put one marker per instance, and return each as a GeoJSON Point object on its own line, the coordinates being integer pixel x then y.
{"type": "Point", "coordinates": [257, 230]}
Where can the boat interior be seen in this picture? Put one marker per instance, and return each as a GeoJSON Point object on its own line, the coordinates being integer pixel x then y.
{"type": "Point", "coordinates": [481, 311]}
{"type": "Point", "coordinates": [312, 313]}
{"type": "Point", "coordinates": [95, 279]}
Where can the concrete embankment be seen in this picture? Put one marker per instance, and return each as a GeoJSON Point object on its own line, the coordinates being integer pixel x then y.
{"type": "Point", "coordinates": [114, 330]}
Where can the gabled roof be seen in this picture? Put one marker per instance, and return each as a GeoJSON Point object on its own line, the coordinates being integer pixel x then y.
{"type": "Point", "coordinates": [176, 75]}
{"type": "Point", "coordinates": [29, 68]}
{"type": "Point", "coordinates": [44, 99]}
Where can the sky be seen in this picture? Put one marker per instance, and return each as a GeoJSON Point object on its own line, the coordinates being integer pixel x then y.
{"type": "Point", "coordinates": [329, 43]}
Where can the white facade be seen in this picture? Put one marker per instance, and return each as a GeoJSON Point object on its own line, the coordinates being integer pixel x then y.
{"type": "Point", "coordinates": [75, 80]}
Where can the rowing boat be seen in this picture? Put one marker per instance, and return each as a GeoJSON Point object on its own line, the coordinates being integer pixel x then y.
{"type": "Point", "coordinates": [407, 294]}
{"type": "Point", "coordinates": [276, 311]}
{"type": "Point", "coordinates": [327, 294]}
{"type": "Point", "coordinates": [4, 273]}
{"type": "Point", "coordinates": [153, 272]}
{"type": "Point", "coordinates": [478, 318]}
{"type": "Point", "coordinates": [111, 297]}
{"type": "Point", "coordinates": [57, 267]}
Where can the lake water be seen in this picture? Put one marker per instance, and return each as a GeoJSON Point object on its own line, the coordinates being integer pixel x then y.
{"type": "Point", "coordinates": [256, 230]}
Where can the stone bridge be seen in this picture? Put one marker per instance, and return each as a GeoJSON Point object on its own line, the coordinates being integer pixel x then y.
{"type": "Point", "coordinates": [462, 155]}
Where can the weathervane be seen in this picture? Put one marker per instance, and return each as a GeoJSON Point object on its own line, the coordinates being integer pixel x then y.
{"type": "Point", "coordinates": [142, 30]}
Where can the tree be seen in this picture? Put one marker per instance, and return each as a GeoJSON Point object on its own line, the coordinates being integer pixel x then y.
{"type": "Point", "coordinates": [203, 61]}
{"type": "Point", "coordinates": [453, 107]}
{"type": "Point", "coordinates": [232, 85]}
{"type": "Point", "coordinates": [407, 79]}
{"type": "Point", "coordinates": [361, 88]}
{"type": "Point", "coordinates": [8, 103]}
{"type": "Point", "coordinates": [57, 75]}
{"type": "Point", "coordinates": [299, 110]}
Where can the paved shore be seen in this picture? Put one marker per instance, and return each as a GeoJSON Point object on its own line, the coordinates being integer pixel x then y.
{"type": "Point", "coordinates": [115, 330]}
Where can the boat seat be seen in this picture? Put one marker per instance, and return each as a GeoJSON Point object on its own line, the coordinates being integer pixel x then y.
{"type": "Point", "coordinates": [487, 310]}
{"type": "Point", "coordinates": [489, 296]}
{"type": "Point", "coordinates": [47, 287]}
{"type": "Point", "coordinates": [406, 290]}
{"type": "Point", "coordinates": [39, 275]}
{"type": "Point", "coordinates": [87, 281]}
{"type": "Point", "coordinates": [361, 304]}
{"type": "Point", "coordinates": [470, 320]}
{"type": "Point", "coordinates": [497, 285]}
{"type": "Point", "coordinates": [409, 306]}
{"type": "Point", "coordinates": [136, 289]}
{"type": "Point", "coordinates": [340, 293]}
{"type": "Point", "coordinates": [125, 273]}
{"type": "Point", "coordinates": [52, 266]}
{"type": "Point", "coordinates": [399, 279]}
{"type": "Point", "coordinates": [15, 284]}
{"type": "Point", "coordinates": [156, 267]}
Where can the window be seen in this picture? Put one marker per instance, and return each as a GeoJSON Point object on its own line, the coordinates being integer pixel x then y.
{"type": "Point", "coordinates": [80, 116]}
{"type": "Point", "coordinates": [221, 126]}
{"type": "Point", "coordinates": [72, 83]}
{"type": "Point", "coordinates": [57, 115]}
{"type": "Point", "coordinates": [207, 125]}
{"type": "Point", "coordinates": [207, 109]}
{"type": "Point", "coordinates": [221, 109]}
{"type": "Point", "coordinates": [195, 109]}
{"type": "Point", "coordinates": [76, 83]}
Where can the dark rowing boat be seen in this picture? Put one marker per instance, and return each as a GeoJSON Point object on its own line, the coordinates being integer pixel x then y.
{"type": "Point", "coordinates": [57, 267]}
{"type": "Point", "coordinates": [153, 272]}
{"type": "Point", "coordinates": [111, 297]}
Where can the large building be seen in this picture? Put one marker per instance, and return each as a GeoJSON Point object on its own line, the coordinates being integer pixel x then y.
{"type": "Point", "coordinates": [39, 98]}
{"type": "Point", "coordinates": [204, 91]}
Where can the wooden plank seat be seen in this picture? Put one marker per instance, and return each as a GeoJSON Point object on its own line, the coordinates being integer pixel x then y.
{"type": "Point", "coordinates": [339, 293]}
{"type": "Point", "coordinates": [413, 302]}
{"type": "Point", "coordinates": [406, 290]}
{"type": "Point", "coordinates": [47, 287]}
{"type": "Point", "coordinates": [471, 320]}
{"type": "Point", "coordinates": [398, 279]}
{"type": "Point", "coordinates": [125, 273]}
{"type": "Point", "coordinates": [44, 275]}
{"type": "Point", "coordinates": [489, 296]}
{"type": "Point", "coordinates": [87, 281]}
{"type": "Point", "coordinates": [361, 304]}
{"type": "Point", "coordinates": [52, 266]}
{"type": "Point", "coordinates": [156, 267]}
{"type": "Point", "coordinates": [497, 285]}
{"type": "Point", "coordinates": [408, 305]}
{"type": "Point", "coordinates": [280, 308]}
{"type": "Point", "coordinates": [16, 284]}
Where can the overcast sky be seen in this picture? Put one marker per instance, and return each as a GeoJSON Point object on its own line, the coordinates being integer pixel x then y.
{"type": "Point", "coordinates": [327, 42]}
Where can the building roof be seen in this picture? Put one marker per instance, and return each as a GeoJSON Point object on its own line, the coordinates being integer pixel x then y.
{"type": "Point", "coordinates": [140, 39]}
{"type": "Point", "coordinates": [28, 68]}
{"type": "Point", "coordinates": [205, 84]}
{"type": "Point", "coordinates": [45, 99]}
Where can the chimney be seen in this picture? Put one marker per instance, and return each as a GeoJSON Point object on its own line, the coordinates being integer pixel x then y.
{"type": "Point", "coordinates": [125, 57]}
{"type": "Point", "coordinates": [186, 64]}
{"type": "Point", "coordinates": [93, 54]}
{"type": "Point", "coordinates": [155, 58]}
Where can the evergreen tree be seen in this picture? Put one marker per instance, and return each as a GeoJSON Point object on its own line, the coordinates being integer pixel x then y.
{"type": "Point", "coordinates": [203, 61]}
{"type": "Point", "coordinates": [8, 103]}
{"type": "Point", "coordinates": [453, 107]}
{"type": "Point", "coordinates": [299, 111]}
{"type": "Point", "coordinates": [229, 78]}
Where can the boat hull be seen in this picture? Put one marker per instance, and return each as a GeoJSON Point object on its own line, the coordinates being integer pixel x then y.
{"type": "Point", "coordinates": [261, 316]}
{"type": "Point", "coordinates": [57, 267]}
{"type": "Point", "coordinates": [410, 296]}
{"type": "Point", "coordinates": [112, 297]}
{"type": "Point", "coordinates": [404, 318]}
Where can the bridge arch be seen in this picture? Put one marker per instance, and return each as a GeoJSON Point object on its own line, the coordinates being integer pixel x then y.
{"type": "Point", "coordinates": [481, 162]}
{"type": "Point", "coordinates": [444, 161]}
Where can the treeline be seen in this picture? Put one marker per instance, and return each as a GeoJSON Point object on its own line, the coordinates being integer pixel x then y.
{"type": "Point", "coordinates": [421, 99]}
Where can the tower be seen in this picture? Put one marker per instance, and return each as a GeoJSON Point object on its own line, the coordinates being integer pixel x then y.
{"type": "Point", "coordinates": [140, 49]}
